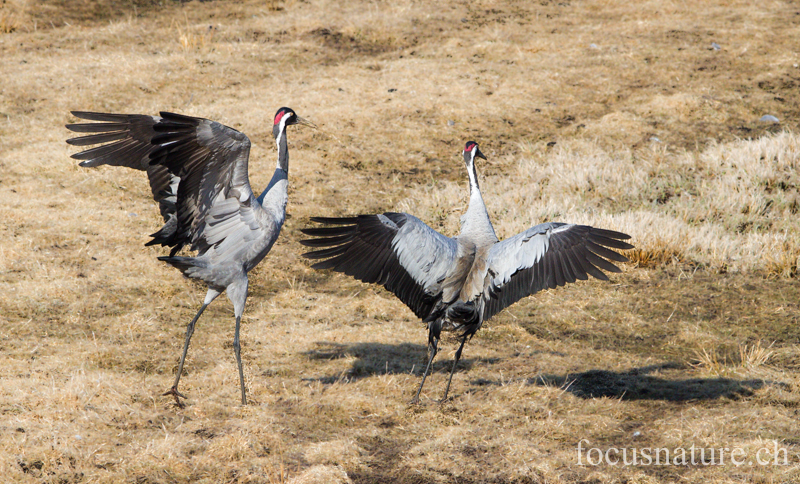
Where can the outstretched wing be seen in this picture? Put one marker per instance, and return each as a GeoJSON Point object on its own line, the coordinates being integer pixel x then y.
{"type": "Point", "coordinates": [208, 158]}
{"type": "Point", "coordinates": [396, 250]}
{"type": "Point", "coordinates": [211, 161]}
{"type": "Point", "coordinates": [546, 256]}
{"type": "Point", "coordinates": [126, 139]}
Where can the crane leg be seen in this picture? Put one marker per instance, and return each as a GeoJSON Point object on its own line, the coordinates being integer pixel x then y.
{"type": "Point", "coordinates": [189, 331]}
{"type": "Point", "coordinates": [237, 293]}
{"type": "Point", "coordinates": [455, 362]}
{"type": "Point", "coordinates": [238, 351]}
{"type": "Point", "coordinates": [433, 348]}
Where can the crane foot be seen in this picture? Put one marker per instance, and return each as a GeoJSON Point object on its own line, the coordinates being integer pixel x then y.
{"type": "Point", "coordinates": [178, 395]}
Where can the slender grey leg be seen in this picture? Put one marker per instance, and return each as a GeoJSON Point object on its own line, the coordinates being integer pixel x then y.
{"type": "Point", "coordinates": [455, 362]}
{"type": "Point", "coordinates": [189, 331]}
{"type": "Point", "coordinates": [238, 351]}
{"type": "Point", "coordinates": [433, 348]}
{"type": "Point", "coordinates": [237, 293]}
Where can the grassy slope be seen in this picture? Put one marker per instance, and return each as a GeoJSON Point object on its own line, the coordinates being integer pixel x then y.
{"type": "Point", "coordinates": [695, 344]}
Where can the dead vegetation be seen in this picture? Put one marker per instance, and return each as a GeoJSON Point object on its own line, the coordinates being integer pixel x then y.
{"type": "Point", "coordinates": [641, 117]}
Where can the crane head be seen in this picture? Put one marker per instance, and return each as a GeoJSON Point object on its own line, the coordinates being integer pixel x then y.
{"type": "Point", "coordinates": [286, 117]}
{"type": "Point", "coordinates": [471, 151]}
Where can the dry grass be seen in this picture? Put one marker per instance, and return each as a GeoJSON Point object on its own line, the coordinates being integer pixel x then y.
{"type": "Point", "coordinates": [732, 207]}
{"type": "Point", "coordinates": [617, 114]}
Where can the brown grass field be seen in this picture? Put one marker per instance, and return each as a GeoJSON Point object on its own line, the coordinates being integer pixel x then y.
{"type": "Point", "coordinates": [619, 114]}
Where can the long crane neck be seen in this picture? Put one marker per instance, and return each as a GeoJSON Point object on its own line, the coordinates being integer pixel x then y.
{"type": "Point", "coordinates": [477, 215]}
{"type": "Point", "coordinates": [474, 188]}
{"type": "Point", "coordinates": [476, 221]}
{"type": "Point", "coordinates": [283, 150]}
{"type": "Point", "coordinates": [276, 191]}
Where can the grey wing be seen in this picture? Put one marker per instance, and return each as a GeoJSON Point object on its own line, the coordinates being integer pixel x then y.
{"type": "Point", "coordinates": [209, 161]}
{"type": "Point", "coordinates": [546, 256]}
{"type": "Point", "coordinates": [396, 250]}
{"type": "Point", "coordinates": [125, 141]}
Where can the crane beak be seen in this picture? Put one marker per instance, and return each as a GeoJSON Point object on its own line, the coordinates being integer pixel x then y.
{"type": "Point", "coordinates": [305, 122]}
{"type": "Point", "coordinates": [478, 154]}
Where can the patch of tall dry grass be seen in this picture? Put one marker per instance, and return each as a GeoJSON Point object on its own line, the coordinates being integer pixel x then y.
{"type": "Point", "coordinates": [732, 207]}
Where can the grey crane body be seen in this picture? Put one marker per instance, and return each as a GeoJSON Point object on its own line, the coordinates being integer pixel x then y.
{"type": "Point", "coordinates": [198, 173]}
{"type": "Point", "coordinates": [457, 283]}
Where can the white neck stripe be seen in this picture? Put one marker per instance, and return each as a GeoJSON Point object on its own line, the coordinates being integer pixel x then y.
{"type": "Point", "coordinates": [473, 176]}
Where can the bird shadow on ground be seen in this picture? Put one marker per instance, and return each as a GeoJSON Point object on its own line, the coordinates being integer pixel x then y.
{"type": "Point", "coordinates": [382, 359]}
{"type": "Point", "coordinates": [637, 384]}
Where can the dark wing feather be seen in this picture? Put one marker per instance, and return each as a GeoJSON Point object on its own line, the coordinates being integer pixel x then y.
{"type": "Point", "coordinates": [191, 163]}
{"type": "Point", "coordinates": [395, 250]}
{"type": "Point", "coordinates": [128, 144]}
{"type": "Point", "coordinates": [211, 161]}
{"type": "Point", "coordinates": [547, 256]}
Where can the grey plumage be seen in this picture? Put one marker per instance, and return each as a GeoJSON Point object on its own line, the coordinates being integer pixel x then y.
{"type": "Point", "coordinates": [198, 174]}
{"type": "Point", "coordinates": [457, 283]}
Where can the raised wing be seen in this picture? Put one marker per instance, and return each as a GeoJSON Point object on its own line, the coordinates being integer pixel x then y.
{"type": "Point", "coordinates": [546, 256]}
{"type": "Point", "coordinates": [127, 143]}
{"type": "Point", "coordinates": [208, 158]}
{"type": "Point", "coordinates": [396, 250]}
{"type": "Point", "coordinates": [211, 160]}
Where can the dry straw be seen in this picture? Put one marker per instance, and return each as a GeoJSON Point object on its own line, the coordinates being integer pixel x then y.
{"type": "Point", "coordinates": [617, 114]}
